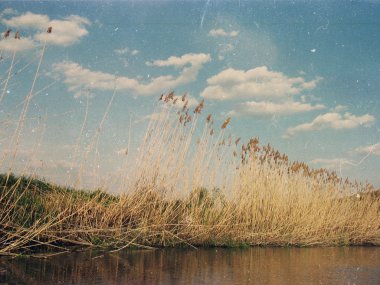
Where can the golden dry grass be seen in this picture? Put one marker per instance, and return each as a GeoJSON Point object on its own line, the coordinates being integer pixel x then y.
{"type": "Point", "coordinates": [193, 187]}
{"type": "Point", "coordinates": [193, 184]}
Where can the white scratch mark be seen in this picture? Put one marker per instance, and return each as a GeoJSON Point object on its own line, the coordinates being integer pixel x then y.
{"type": "Point", "coordinates": [353, 163]}
{"type": "Point", "coordinates": [324, 27]}
{"type": "Point", "coordinates": [204, 12]}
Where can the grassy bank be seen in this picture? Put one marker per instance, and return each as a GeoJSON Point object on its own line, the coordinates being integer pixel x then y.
{"type": "Point", "coordinates": [193, 187]}
{"type": "Point", "coordinates": [39, 215]}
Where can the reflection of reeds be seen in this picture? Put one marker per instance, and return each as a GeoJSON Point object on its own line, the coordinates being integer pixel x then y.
{"type": "Point", "coordinates": [224, 266]}
{"type": "Point", "coordinates": [190, 188]}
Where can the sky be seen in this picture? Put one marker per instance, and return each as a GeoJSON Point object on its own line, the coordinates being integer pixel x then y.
{"type": "Point", "coordinates": [301, 75]}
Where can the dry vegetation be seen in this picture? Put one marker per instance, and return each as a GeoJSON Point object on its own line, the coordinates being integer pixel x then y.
{"type": "Point", "coordinates": [193, 185]}
{"type": "Point", "coordinates": [193, 188]}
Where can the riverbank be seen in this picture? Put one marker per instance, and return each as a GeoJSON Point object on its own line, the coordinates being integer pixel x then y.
{"type": "Point", "coordinates": [37, 215]}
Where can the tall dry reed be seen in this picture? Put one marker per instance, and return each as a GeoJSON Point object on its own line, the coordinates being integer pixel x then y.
{"type": "Point", "coordinates": [193, 186]}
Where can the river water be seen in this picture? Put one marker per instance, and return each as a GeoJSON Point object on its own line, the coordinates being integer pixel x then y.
{"type": "Point", "coordinates": [350, 265]}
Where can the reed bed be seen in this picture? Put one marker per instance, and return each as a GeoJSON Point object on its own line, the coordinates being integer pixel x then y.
{"type": "Point", "coordinates": [193, 186]}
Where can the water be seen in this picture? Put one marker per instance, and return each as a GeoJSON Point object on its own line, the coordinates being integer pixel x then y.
{"type": "Point", "coordinates": [354, 265]}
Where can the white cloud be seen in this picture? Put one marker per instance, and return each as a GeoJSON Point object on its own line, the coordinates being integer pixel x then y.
{"type": "Point", "coordinates": [79, 78]}
{"type": "Point", "coordinates": [126, 51]}
{"type": "Point", "coordinates": [258, 83]}
{"type": "Point", "coordinates": [79, 20]}
{"type": "Point", "coordinates": [309, 97]}
{"type": "Point", "coordinates": [37, 163]}
{"type": "Point", "coordinates": [191, 102]}
{"type": "Point", "coordinates": [28, 20]}
{"type": "Point", "coordinates": [16, 45]}
{"type": "Point", "coordinates": [125, 62]}
{"type": "Point", "coordinates": [24, 153]}
{"type": "Point", "coordinates": [135, 52]}
{"type": "Point", "coordinates": [121, 51]}
{"type": "Point", "coordinates": [193, 59]}
{"type": "Point", "coordinates": [8, 11]}
{"type": "Point", "coordinates": [224, 49]}
{"type": "Point", "coordinates": [32, 158]}
{"type": "Point", "coordinates": [334, 121]}
{"type": "Point", "coordinates": [222, 33]}
{"type": "Point", "coordinates": [253, 46]}
{"type": "Point", "coordinates": [65, 164]}
{"type": "Point", "coordinates": [65, 32]}
{"type": "Point", "coordinates": [333, 163]}
{"type": "Point", "coordinates": [261, 109]}
{"type": "Point", "coordinates": [371, 149]}
{"type": "Point", "coordinates": [339, 108]}
{"type": "Point", "coordinates": [150, 117]}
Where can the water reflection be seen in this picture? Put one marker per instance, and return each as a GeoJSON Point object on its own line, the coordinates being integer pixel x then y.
{"type": "Point", "coordinates": [359, 265]}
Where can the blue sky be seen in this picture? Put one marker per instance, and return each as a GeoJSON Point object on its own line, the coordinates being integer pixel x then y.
{"type": "Point", "coordinates": [302, 75]}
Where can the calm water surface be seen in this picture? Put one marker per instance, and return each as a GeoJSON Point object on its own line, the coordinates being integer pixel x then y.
{"type": "Point", "coordinates": [359, 265]}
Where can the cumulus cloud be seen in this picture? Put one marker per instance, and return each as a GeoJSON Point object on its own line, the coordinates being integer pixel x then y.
{"type": "Point", "coordinates": [339, 108]}
{"type": "Point", "coordinates": [334, 121]}
{"type": "Point", "coordinates": [24, 153]}
{"type": "Point", "coordinates": [79, 78]}
{"type": "Point", "coordinates": [150, 117]}
{"type": "Point", "coordinates": [135, 52]}
{"type": "Point", "coordinates": [65, 32]}
{"type": "Point", "coordinates": [16, 45]}
{"type": "Point", "coordinates": [333, 163]}
{"type": "Point", "coordinates": [257, 83]}
{"type": "Point", "coordinates": [222, 33]}
{"type": "Point", "coordinates": [371, 149]}
{"type": "Point", "coordinates": [262, 109]}
{"type": "Point", "coordinates": [193, 59]}
{"type": "Point", "coordinates": [224, 49]}
{"type": "Point", "coordinates": [121, 51]}
{"type": "Point", "coordinates": [305, 98]}
{"type": "Point", "coordinates": [78, 19]}
{"type": "Point", "coordinates": [191, 102]}
{"type": "Point", "coordinates": [126, 51]}
{"type": "Point", "coordinates": [37, 163]}
{"type": "Point", "coordinates": [62, 163]}
{"type": "Point", "coordinates": [8, 11]}
{"type": "Point", "coordinates": [28, 20]}
{"type": "Point", "coordinates": [35, 158]}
